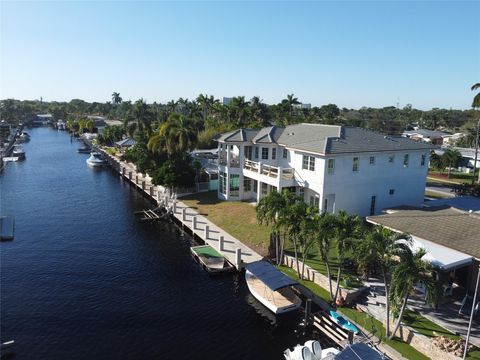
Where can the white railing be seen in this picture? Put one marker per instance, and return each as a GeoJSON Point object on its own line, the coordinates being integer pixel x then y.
{"type": "Point", "coordinates": [268, 170]}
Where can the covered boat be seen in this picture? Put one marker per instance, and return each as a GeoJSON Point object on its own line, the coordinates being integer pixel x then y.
{"type": "Point", "coordinates": [311, 350]}
{"type": "Point", "coordinates": [210, 259]}
{"type": "Point", "coordinates": [271, 287]}
{"type": "Point", "coordinates": [95, 159]}
{"type": "Point", "coordinates": [18, 152]}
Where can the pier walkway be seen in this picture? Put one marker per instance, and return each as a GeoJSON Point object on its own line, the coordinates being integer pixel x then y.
{"type": "Point", "coordinates": [237, 253]}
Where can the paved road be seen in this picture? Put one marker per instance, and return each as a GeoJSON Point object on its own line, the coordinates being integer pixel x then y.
{"type": "Point", "coordinates": [440, 189]}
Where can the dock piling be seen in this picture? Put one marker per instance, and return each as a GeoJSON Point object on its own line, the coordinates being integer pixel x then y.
{"type": "Point", "coordinates": [206, 232]}
{"type": "Point", "coordinates": [220, 242]}
{"type": "Point", "coordinates": [130, 175]}
{"type": "Point", "coordinates": [174, 206]}
{"type": "Point", "coordinates": [238, 257]}
{"type": "Point", "coordinates": [184, 214]}
{"type": "Point", "coordinates": [194, 222]}
{"type": "Point", "coordinates": [143, 185]}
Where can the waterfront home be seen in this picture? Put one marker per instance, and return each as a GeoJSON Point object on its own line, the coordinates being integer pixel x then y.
{"type": "Point", "coordinates": [450, 235]}
{"type": "Point", "coordinates": [330, 167]}
{"type": "Point", "coordinates": [467, 160]}
{"type": "Point", "coordinates": [430, 136]}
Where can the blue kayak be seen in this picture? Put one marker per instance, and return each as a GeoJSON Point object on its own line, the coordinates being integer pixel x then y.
{"type": "Point", "coordinates": [344, 323]}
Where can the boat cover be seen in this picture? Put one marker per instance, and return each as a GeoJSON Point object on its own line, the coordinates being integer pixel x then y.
{"type": "Point", "coordinates": [270, 275]}
{"type": "Point", "coordinates": [359, 351]}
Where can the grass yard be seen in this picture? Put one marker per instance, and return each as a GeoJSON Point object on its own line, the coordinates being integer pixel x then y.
{"type": "Point", "coordinates": [236, 217]}
{"type": "Point", "coordinates": [455, 177]}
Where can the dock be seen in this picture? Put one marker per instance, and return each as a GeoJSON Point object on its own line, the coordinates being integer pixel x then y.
{"type": "Point", "coordinates": [187, 218]}
{"type": "Point", "coordinates": [7, 227]}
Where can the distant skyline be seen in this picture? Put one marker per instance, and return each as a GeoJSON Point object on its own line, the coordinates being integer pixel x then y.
{"type": "Point", "coordinates": [352, 54]}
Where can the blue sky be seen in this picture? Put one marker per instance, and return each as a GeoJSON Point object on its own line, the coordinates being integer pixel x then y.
{"type": "Point", "coordinates": [352, 54]}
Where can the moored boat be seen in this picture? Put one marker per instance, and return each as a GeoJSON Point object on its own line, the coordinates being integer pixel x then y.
{"type": "Point", "coordinates": [95, 159]}
{"type": "Point", "coordinates": [311, 350]}
{"type": "Point", "coordinates": [210, 259]}
{"type": "Point", "coordinates": [18, 152]}
{"type": "Point", "coordinates": [84, 150]}
{"type": "Point", "coordinates": [271, 287]}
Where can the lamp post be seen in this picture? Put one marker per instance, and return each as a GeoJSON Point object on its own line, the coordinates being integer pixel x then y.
{"type": "Point", "coordinates": [471, 315]}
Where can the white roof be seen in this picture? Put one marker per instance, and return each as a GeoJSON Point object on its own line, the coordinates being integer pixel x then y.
{"type": "Point", "coordinates": [441, 256]}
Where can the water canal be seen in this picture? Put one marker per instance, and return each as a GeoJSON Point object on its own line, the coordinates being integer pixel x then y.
{"type": "Point", "coordinates": [84, 279]}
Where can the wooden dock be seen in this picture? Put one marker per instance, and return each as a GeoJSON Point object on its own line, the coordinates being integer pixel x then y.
{"type": "Point", "coordinates": [231, 248]}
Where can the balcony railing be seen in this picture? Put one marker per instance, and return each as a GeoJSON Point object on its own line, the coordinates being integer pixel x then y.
{"type": "Point", "coordinates": [268, 170]}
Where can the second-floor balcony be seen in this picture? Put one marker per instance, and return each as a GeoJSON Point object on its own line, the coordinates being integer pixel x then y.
{"type": "Point", "coordinates": [268, 170]}
{"type": "Point", "coordinates": [234, 161]}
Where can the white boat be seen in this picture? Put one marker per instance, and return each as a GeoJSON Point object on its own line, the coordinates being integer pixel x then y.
{"type": "Point", "coordinates": [95, 159]}
{"type": "Point", "coordinates": [311, 350]}
{"type": "Point", "coordinates": [24, 136]}
{"type": "Point", "coordinates": [271, 287]}
{"type": "Point", "coordinates": [18, 152]}
{"type": "Point", "coordinates": [10, 158]}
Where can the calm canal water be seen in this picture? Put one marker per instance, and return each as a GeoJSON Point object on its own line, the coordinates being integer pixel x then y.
{"type": "Point", "coordinates": [84, 279]}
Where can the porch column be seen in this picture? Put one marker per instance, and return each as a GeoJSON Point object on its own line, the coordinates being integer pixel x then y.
{"type": "Point", "coordinates": [259, 190]}
{"type": "Point", "coordinates": [228, 155]}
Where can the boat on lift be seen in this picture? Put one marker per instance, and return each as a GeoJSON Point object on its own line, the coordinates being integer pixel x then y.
{"type": "Point", "coordinates": [311, 350]}
{"type": "Point", "coordinates": [18, 152]}
{"type": "Point", "coordinates": [271, 287]}
{"type": "Point", "coordinates": [95, 159]}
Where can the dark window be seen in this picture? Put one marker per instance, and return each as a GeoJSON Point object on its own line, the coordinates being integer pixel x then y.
{"type": "Point", "coordinates": [355, 164]}
{"type": "Point", "coordinates": [247, 184]}
{"type": "Point", "coordinates": [405, 160]}
{"type": "Point", "coordinates": [308, 163]}
{"type": "Point", "coordinates": [372, 160]}
{"type": "Point", "coordinates": [391, 191]}
{"type": "Point", "coordinates": [264, 153]}
{"type": "Point", "coordinates": [424, 158]}
{"type": "Point", "coordinates": [248, 152]}
{"type": "Point", "coordinates": [372, 205]}
{"type": "Point", "coordinates": [285, 153]}
{"type": "Point", "coordinates": [256, 152]}
{"type": "Point", "coordinates": [255, 186]}
{"type": "Point", "coordinates": [274, 153]}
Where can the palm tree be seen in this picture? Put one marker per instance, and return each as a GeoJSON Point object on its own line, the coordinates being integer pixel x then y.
{"type": "Point", "coordinates": [259, 111]}
{"type": "Point", "coordinates": [476, 105]}
{"type": "Point", "coordinates": [238, 110]}
{"type": "Point", "coordinates": [268, 211]}
{"type": "Point", "coordinates": [139, 119]}
{"type": "Point", "coordinates": [476, 99]}
{"type": "Point", "coordinates": [325, 227]}
{"type": "Point", "coordinates": [379, 248]}
{"type": "Point", "coordinates": [116, 99]}
{"type": "Point", "coordinates": [172, 106]}
{"type": "Point", "coordinates": [411, 271]}
{"type": "Point", "coordinates": [348, 229]}
{"type": "Point", "coordinates": [176, 135]}
{"type": "Point", "coordinates": [451, 158]}
{"type": "Point", "coordinates": [292, 218]}
{"type": "Point", "coordinates": [290, 101]}
{"type": "Point", "coordinates": [308, 235]}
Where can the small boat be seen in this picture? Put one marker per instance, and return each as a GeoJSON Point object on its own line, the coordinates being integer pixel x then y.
{"type": "Point", "coordinates": [95, 159]}
{"type": "Point", "coordinates": [24, 136]}
{"type": "Point", "coordinates": [7, 344]}
{"type": "Point", "coordinates": [344, 323]}
{"type": "Point", "coordinates": [84, 150]}
{"type": "Point", "coordinates": [7, 227]}
{"type": "Point", "coordinates": [271, 287]}
{"type": "Point", "coordinates": [311, 350]}
{"type": "Point", "coordinates": [18, 152]}
{"type": "Point", "coordinates": [10, 158]}
{"type": "Point", "coordinates": [210, 259]}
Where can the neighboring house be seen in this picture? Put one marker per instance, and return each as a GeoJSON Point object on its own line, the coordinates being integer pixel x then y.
{"type": "Point", "coordinates": [302, 106]}
{"type": "Point", "coordinates": [43, 119]}
{"type": "Point", "coordinates": [125, 143]}
{"type": "Point", "coordinates": [452, 139]}
{"type": "Point", "coordinates": [450, 236]}
{"type": "Point", "coordinates": [330, 167]}
{"type": "Point", "coordinates": [430, 136]}
{"type": "Point", "coordinates": [468, 157]}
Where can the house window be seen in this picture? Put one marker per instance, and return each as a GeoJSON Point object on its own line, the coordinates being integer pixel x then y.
{"type": "Point", "coordinates": [424, 159]}
{"type": "Point", "coordinates": [405, 160]}
{"type": "Point", "coordinates": [372, 205]}
{"type": "Point", "coordinates": [247, 184]}
{"type": "Point", "coordinates": [325, 205]}
{"type": "Point", "coordinates": [264, 153]}
{"type": "Point", "coordinates": [308, 163]}
{"type": "Point", "coordinates": [355, 164]}
{"type": "Point", "coordinates": [315, 201]}
{"type": "Point", "coordinates": [301, 193]}
{"type": "Point", "coordinates": [234, 184]}
{"type": "Point", "coordinates": [256, 152]}
{"type": "Point", "coordinates": [222, 184]}
{"type": "Point", "coordinates": [285, 153]}
{"type": "Point", "coordinates": [264, 189]}
{"type": "Point", "coordinates": [391, 191]}
{"type": "Point", "coordinates": [255, 186]}
{"type": "Point", "coordinates": [274, 153]}
{"type": "Point", "coordinates": [248, 152]}
{"type": "Point", "coordinates": [331, 166]}
{"type": "Point", "coordinates": [372, 160]}
{"type": "Point", "coordinates": [391, 158]}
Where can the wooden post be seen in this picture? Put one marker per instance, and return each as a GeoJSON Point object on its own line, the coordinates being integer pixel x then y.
{"type": "Point", "coordinates": [220, 242]}
{"type": "Point", "coordinates": [194, 222]}
{"type": "Point", "coordinates": [136, 178]}
{"type": "Point", "coordinates": [184, 214]}
{"type": "Point", "coordinates": [308, 310]}
{"type": "Point", "coordinates": [174, 206]}
{"type": "Point", "coordinates": [143, 185]}
{"type": "Point", "coordinates": [206, 232]}
{"type": "Point", "coordinates": [130, 175]}
{"type": "Point", "coordinates": [238, 257]}
{"type": "Point", "coordinates": [123, 171]}
{"type": "Point", "coordinates": [151, 191]}
{"type": "Point", "coordinates": [158, 197]}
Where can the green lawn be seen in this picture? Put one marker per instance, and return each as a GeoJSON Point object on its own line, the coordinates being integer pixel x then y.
{"type": "Point", "coordinates": [235, 217]}
{"type": "Point", "coordinates": [372, 325]}
{"type": "Point", "coordinates": [455, 177]}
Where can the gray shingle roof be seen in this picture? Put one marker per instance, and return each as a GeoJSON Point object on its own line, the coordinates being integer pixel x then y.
{"type": "Point", "coordinates": [325, 139]}
{"type": "Point", "coordinates": [447, 226]}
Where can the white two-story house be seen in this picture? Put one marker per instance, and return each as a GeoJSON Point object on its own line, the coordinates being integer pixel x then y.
{"type": "Point", "coordinates": [331, 167]}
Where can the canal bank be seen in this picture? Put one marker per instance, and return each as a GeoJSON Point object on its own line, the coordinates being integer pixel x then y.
{"type": "Point", "coordinates": [85, 279]}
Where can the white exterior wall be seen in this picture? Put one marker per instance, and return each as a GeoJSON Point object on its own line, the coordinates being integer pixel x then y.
{"type": "Point", "coordinates": [306, 178]}
{"type": "Point", "coordinates": [353, 190]}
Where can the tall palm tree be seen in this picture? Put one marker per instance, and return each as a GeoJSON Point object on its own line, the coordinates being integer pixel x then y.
{"type": "Point", "coordinates": [411, 271]}
{"type": "Point", "coordinates": [325, 226]}
{"type": "Point", "coordinates": [290, 101]}
{"type": "Point", "coordinates": [238, 110]}
{"type": "Point", "coordinates": [380, 248]}
{"type": "Point", "coordinates": [268, 212]}
{"type": "Point", "coordinates": [348, 229]}
{"type": "Point", "coordinates": [116, 99]}
{"type": "Point", "coordinates": [451, 158]}
{"type": "Point", "coordinates": [172, 106]}
{"type": "Point", "coordinates": [259, 111]}
{"type": "Point", "coordinates": [292, 219]}
{"type": "Point", "coordinates": [476, 99]}
{"type": "Point", "coordinates": [139, 119]}
{"type": "Point", "coordinates": [476, 105]}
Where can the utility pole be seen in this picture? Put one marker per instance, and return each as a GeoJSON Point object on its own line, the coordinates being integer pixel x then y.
{"type": "Point", "coordinates": [471, 313]}
{"type": "Point", "coordinates": [476, 155]}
